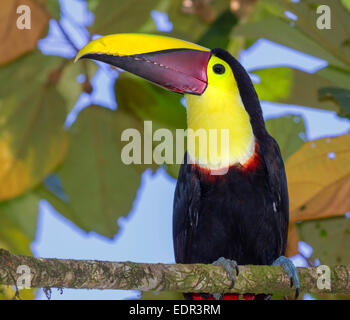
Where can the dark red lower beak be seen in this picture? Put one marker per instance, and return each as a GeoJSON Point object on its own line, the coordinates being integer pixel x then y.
{"type": "Point", "coordinates": [178, 70]}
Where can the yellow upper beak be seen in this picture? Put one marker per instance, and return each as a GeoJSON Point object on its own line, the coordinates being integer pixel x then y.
{"type": "Point", "coordinates": [125, 44]}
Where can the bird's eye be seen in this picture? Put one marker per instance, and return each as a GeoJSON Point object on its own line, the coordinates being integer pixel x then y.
{"type": "Point", "coordinates": [219, 68]}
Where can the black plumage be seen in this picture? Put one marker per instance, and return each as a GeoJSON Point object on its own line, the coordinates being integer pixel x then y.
{"type": "Point", "coordinates": [242, 215]}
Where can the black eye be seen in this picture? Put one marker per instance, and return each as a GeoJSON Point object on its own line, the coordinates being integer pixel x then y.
{"type": "Point", "coordinates": [219, 68]}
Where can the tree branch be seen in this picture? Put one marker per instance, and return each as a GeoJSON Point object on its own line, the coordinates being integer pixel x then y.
{"type": "Point", "coordinates": [93, 274]}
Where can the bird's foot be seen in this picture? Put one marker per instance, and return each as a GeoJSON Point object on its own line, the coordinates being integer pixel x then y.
{"type": "Point", "coordinates": [291, 270]}
{"type": "Point", "coordinates": [232, 269]}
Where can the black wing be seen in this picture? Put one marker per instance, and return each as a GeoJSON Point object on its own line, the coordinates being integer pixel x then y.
{"type": "Point", "coordinates": [277, 183]}
{"type": "Point", "coordinates": [186, 210]}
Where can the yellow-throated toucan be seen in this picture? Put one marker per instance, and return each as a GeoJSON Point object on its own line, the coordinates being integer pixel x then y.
{"type": "Point", "coordinates": [239, 216]}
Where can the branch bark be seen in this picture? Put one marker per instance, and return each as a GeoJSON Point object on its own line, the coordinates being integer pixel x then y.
{"type": "Point", "coordinates": [93, 274]}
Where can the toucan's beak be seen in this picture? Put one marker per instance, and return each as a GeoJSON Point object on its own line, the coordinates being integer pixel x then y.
{"type": "Point", "coordinates": [174, 64]}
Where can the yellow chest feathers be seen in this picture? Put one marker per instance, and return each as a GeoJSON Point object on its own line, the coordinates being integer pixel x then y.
{"type": "Point", "coordinates": [219, 129]}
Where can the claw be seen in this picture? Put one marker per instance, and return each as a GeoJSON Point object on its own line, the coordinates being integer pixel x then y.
{"type": "Point", "coordinates": [218, 296]}
{"type": "Point", "coordinates": [229, 266]}
{"type": "Point", "coordinates": [291, 270]}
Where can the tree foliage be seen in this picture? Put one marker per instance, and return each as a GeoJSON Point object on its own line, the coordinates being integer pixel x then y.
{"type": "Point", "coordinates": [79, 169]}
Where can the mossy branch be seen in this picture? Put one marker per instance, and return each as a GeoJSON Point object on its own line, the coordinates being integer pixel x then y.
{"type": "Point", "coordinates": [93, 274]}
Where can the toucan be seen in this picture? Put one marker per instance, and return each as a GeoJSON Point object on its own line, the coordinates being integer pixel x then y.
{"type": "Point", "coordinates": [230, 207]}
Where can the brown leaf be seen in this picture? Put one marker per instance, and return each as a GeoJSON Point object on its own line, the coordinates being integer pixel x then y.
{"type": "Point", "coordinates": [329, 238]}
{"type": "Point", "coordinates": [332, 201]}
{"type": "Point", "coordinates": [14, 41]}
{"type": "Point", "coordinates": [293, 239]}
{"type": "Point", "coordinates": [318, 176]}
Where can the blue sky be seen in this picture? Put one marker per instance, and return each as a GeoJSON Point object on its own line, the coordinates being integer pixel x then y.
{"type": "Point", "coordinates": [146, 234]}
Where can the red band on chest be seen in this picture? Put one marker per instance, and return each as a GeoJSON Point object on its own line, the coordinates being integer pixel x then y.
{"type": "Point", "coordinates": [253, 162]}
{"type": "Point", "coordinates": [249, 166]}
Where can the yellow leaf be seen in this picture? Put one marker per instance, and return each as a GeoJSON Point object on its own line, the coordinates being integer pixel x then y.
{"type": "Point", "coordinates": [318, 176]}
{"type": "Point", "coordinates": [32, 140]}
{"type": "Point", "coordinates": [17, 230]}
{"type": "Point", "coordinates": [8, 293]}
{"type": "Point", "coordinates": [332, 201]}
{"type": "Point", "coordinates": [16, 41]}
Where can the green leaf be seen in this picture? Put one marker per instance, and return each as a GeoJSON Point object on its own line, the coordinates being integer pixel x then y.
{"type": "Point", "coordinates": [218, 34]}
{"type": "Point", "coordinates": [340, 96]}
{"type": "Point", "coordinates": [335, 76]}
{"type": "Point", "coordinates": [147, 102]}
{"type": "Point", "coordinates": [292, 86]}
{"type": "Point", "coordinates": [12, 238]}
{"type": "Point", "coordinates": [329, 238]}
{"type": "Point", "coordinates": [303, 34]}
{"type": "Point", "coordinates": [121, 16]}
{"type": "Point", "coordinates": [275, 83]}
{"type": "Point", "coordinates": [53, 7]}
{"type": "Point", "coordinates": [346, 4]}
{"type": "Point", "coordinates": [32, 140]}
{"type": "Point", "coordinates": [18, 218]}
{"type": "Point", "coordinates": [26, 75]}
{"type": "Point", "coordinates": [192, 26]}
{"type": "Point", "coordinates": [289, 132]}
{"type": "Point", "coordinates": [99, 186]}
{"type": "Point", "coordinates": [8, 293]}
{"type": "Point", "coordinates": [288, 36]}
{"type": "Point", "coordinates": [332, 39]}
{"type": "Point", "coordinates": [32, 113]}
{"type": "Point", "coordinates": [92, 5]}
{"type": "Point", "coordinates": [68, 85]}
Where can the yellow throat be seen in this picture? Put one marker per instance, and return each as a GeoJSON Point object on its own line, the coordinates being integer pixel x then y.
{"type": "Point", "coordinates": [220, 116]}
